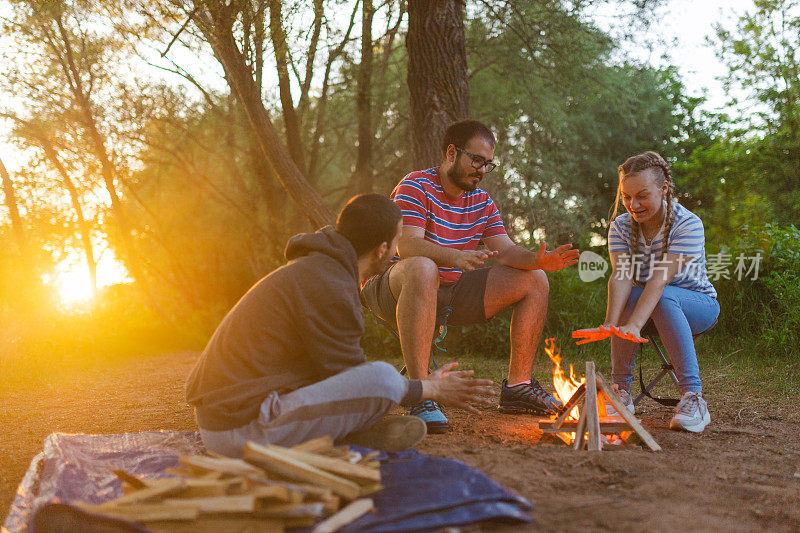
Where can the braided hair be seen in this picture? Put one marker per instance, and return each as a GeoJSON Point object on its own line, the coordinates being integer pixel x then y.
{"type": "Point", "coordinates": [634, 165]}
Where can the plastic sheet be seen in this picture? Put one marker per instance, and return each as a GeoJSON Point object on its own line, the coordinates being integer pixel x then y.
{"type": "Point", "coordinates": [421, 492]}
{"type": "Point", "coordinates": [78, 467]}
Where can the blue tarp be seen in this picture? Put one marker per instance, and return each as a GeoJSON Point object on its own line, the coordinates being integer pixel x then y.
{"type": "Point", "coordinates": [421, 491]}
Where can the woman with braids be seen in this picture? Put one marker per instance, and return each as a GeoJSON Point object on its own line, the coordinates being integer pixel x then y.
{"type": "Point", "coordinates": [657, 253]}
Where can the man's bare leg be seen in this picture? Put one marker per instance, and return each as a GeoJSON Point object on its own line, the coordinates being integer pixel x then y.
{"type": "Point", "coordinates": [414, 283]}
{"type": "Point", "coordinates": [528, 292]}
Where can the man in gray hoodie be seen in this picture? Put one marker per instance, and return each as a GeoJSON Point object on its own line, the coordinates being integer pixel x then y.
{"type": "Point", "coordinates": [285, 364]}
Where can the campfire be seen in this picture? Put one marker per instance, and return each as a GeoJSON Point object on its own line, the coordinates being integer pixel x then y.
{"type": "Point", "coordinates": [584, 420]}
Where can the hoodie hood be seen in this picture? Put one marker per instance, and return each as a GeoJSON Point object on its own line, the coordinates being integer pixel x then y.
{"type": "Point", "coordinates": [325, 241]}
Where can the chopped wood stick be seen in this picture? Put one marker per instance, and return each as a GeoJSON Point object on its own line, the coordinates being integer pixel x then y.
{"type": "Point", "coordinates": [366, 490]}
{"type": "Point", "coordinates": [144, 512]}
{"type": "Point", "coordinates": [570, 427]}
{"type": "Point", "coordinates": [348, 514]}
{"type": "Point", "coordinates": [626, 414]}
{"type": "Point", "coordinates": [215, 524]}
{"type": "Point", "coordinates": [294, 522]}
{"type": "Point", "coordinates": [571, 403]}
{"type": "Point", "coordinates": [155, 489]}
{"type": "Point", "coordinates": [339, 451]}
{"type": "Point", "coordinates": [130, 479]}
{"type": "Point", "coordinates": [577, 444]}
{"type": "Point", "coordinates": [332, 504]}
{"type": "Point", "coordinates": [605, 421]}
{"type": "Point", "coordinates": [276, 493]}
{"type": "Point", "coordinates": [336, 466]}
{"type": "Point", "coordinates": [303, 491]}
{"type": "Point", "coordinates": [195, 473]}
{"type": "Point", "coordinates": [319, 445]}
{"type": "Point", "coordinates": [282, 464]}
{"type": "Point", "coordinates": [368, 459]}
{"type": "Point", "coordinates": [195, 487]}
{"type": "Point", "coordinates": [593, 442]}
{"type": "Point", "coordinates": [297, 510]}
{"type": "Point", "coordinates": [242, 503]}
{"type": "Point", "coordinates": [371, 464]}
{"type": "Point", "coordinates": [205, 488]}
{"type": "Point", "coordinates": [235, 467]}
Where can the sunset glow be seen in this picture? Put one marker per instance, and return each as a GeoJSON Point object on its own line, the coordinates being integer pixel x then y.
{"type": "Point", "coordinates": [73, 285]}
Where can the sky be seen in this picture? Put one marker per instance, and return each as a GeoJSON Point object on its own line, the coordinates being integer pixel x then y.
{"type": "Point", "coordinates": [687, 24]}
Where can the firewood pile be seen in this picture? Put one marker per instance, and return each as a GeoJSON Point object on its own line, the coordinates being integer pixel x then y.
{"type": "Point", "coordinates": [271, 488]}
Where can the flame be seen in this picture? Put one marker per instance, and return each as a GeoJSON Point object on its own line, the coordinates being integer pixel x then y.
{"type": "Point", "coordinates": [564, 386]}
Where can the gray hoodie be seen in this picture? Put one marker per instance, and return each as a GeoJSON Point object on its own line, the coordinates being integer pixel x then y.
{"type": "Point", "coordinates": [299, 325]}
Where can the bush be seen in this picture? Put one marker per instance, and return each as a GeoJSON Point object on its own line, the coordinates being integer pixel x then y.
{"type": "Point", "coordinates": [767, 307]}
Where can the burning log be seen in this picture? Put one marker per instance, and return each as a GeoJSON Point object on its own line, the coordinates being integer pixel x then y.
{"type": "Point", "coordinates": [583, 414]}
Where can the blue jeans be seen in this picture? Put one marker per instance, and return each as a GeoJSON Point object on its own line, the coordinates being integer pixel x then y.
{"type": "Point", "coordinates": [679, 315]}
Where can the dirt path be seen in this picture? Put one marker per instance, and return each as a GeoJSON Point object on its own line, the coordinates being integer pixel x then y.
{"type": "Point", "coordinates": [742, 474]}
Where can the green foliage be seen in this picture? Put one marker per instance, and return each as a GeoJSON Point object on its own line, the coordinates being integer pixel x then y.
{"type": "Point", "coordinates": [767, 307]}
{"type": "Point", "coordinates": [749, 174]}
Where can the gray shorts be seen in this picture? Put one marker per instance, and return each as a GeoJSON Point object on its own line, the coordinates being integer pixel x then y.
{"type": "Point", "coordinates": [464, 296]}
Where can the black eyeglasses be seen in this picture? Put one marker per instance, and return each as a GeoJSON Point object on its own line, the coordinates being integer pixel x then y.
{"type": "Point", "coordinates": [478, 161]}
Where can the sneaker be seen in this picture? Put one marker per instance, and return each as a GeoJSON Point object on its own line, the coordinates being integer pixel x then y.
{"type": "Point", "coordinates": [393, 434]}
{"type": "Point", "coordinates": [430, 413]}
{"type": "Point", "coordinates": [528, 398]}
{"type": "Point", "coordinates": [626, 399]}
{"type": "Point", "coordinates": [691, 413]}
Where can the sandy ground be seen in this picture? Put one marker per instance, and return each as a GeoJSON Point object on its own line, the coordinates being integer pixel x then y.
{"type": "Point", "coordinates": [742, 474]}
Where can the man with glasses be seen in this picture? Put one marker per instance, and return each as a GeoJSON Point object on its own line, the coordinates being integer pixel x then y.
{"type": "Point", "coordinates": [445, 217]}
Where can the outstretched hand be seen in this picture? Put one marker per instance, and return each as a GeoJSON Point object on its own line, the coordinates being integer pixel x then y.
{"type": "Point", "coordinates": [603, 332]}
{"type": "Point", "coordinates": [591, 334]}
{"type": "Point", "coordinates": [630, 333]}
{"type": "Point", "coordinates": [563, 256]}
{"type": "Point", "coordinates": [457, 388]}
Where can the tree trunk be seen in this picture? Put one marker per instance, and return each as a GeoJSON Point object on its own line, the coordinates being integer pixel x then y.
{"type": "Point", "coordinates": [83, 103]}
{"type": "Point", "coordinates": [281, 49]}
{"type": "Point", "coordinates": [305, 87]}
{"type": "Point", "coordinates": [322, 101]}
{"type": "Point", "coordinates": [215, 21]}
{"type": "Point", "coordinates": [13, 213]}
{"type": "Point", "coordinates": [84, 228]}
{"type": "Point", "coordinates": [363, 177]}
{"type": "Point", "coordinates": [437, 74]}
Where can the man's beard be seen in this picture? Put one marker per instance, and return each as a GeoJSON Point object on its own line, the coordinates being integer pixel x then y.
{"type": "Point", "coordinates": [462, 180]}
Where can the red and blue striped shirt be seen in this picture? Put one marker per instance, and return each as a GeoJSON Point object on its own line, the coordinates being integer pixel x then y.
{"type": "Point", "coordinates": [460, 223]}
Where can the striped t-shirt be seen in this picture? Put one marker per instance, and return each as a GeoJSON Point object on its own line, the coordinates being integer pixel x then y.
{"type": "Point", "coordinates": [460, 223]}
{"type": "Point", "coordinates": [685, 238]}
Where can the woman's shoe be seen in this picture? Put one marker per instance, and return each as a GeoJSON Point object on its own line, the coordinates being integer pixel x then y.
{"type": "Point", "coordinates": [691, 413]}
{"type": "Point", "coordinates": [625, 398]}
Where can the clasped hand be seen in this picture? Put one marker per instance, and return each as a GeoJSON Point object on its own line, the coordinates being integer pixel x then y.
{"type": "Point", "coordinates": [470, 260]}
